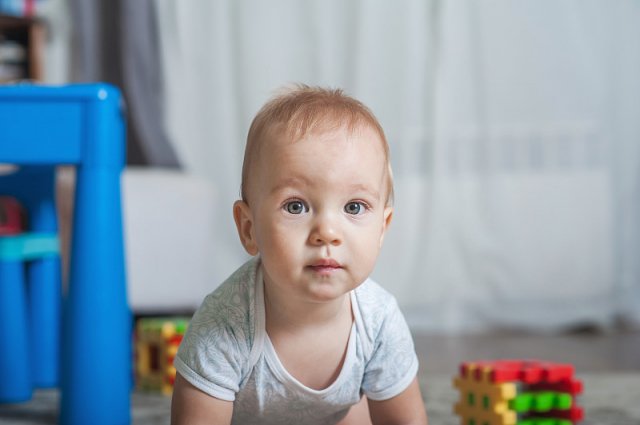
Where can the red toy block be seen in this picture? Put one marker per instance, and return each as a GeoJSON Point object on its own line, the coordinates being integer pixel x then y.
{"type": "Point", "coordinates": [573, 414]}
{"type": "Point", "coordinates": [557, 372]}
{"type": "Point", "coordinates": [525, 371]}
{"type": "Point", "coordinates": [571, 386]}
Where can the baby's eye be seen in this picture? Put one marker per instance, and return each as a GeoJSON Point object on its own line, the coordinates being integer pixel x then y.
{"type": "Point", "coordinates": [354, 208]}
{"type": "Point", "coordinates": [295, 207]}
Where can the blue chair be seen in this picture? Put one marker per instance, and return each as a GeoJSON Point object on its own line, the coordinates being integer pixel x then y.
{"type": "Point", "coordinates": [82, 125]}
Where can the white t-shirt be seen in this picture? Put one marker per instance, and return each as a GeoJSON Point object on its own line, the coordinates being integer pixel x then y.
{"type": "Point", "coordinates": [227, 353]}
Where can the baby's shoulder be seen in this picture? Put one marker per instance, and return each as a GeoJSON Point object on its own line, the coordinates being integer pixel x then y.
{"type": "Point", "coordinates": [216, 351]}
{"type": "Point", "coordinates": [230, 308]}
{"type": "Point", "coordinates": [375, 305]}
{"type": "Point", "coordinates": [237, 291]}
{"type": "Point", "coordinates": [371, 295]}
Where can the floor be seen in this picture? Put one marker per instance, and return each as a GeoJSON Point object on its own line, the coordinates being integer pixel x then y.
{"type": "Point", "coordinates": [608, 363]}
{"type": "Point", "coordinates": [588, 350]}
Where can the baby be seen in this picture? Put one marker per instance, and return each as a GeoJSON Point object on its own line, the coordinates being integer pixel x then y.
{"type": "Point", "coordinates": [300, 334]}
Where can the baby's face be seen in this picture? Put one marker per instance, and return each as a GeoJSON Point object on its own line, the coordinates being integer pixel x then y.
{"type": "Point", "coordinates": [318, 211]}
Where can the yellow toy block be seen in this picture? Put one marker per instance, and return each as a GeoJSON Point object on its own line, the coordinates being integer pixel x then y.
{"type": "Point", "coordinates": [485, 402]}
{"type": "Point", "coordinates": [157, 341]}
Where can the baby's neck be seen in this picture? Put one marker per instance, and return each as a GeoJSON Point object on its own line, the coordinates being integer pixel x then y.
{"type": "Point", "coordinates": [290, 315]}
{"type": "Point", "coordinates": [310, 340]}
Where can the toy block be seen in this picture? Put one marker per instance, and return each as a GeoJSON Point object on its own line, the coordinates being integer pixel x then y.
{"type": "Point", "coordinates": [569, 385]}
{"type": "Point", "coordinates": [517, 392]}
{"type": "Point", "coordinates": [544, 422]}
{"type": "Point", "coordinates": [542, 401]}
{"type": "Point", "coordinates": [157, 341]}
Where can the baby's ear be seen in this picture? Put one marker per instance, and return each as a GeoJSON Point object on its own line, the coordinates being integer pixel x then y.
{"type": "Point", "coordinates": [386, 217]}
{"type": "Point", "coordinates": [244, 223]}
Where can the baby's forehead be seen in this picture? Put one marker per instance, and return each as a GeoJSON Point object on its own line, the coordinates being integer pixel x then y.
{"type": "Point", "coordinates": [282, 134]}
{"type": "Point", "coordinates": [277, 146]}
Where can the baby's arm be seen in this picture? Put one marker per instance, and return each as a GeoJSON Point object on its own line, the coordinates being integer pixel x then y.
{"type": "Point", "coordinates": [191, 406]}
{"type": "Point", "coordinates": [407, 408]}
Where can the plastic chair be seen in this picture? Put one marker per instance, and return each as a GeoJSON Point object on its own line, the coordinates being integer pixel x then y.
{"type": "Point", "coordinates": [40, 128]}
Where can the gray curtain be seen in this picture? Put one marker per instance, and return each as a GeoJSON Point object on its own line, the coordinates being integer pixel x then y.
{"type": "Point", "coordinates": [116, 41]}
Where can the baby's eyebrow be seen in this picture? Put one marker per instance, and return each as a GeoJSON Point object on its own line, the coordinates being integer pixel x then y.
{"type": "Point", "coordinates": [358, 187]}
{"type": "Point", "coordinates": [291, 182]}
{"type": "Point", "coordinates": [302, 181]}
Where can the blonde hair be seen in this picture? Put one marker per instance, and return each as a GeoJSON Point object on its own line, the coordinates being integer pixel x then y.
{"type": "Point", "coordinates": [300, 109]}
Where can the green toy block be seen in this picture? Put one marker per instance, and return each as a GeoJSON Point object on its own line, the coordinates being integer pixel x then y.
{"type": "Point", "coordinates": [544, 421]}
{"type": "Point", "coordinates": [564, 401]}
{"type": "Point", "coordinates": [522, 402]}
{"type": "Point", "coordinates": [540, 401]}
{"type": "Point", "coordinates": [176, 325]}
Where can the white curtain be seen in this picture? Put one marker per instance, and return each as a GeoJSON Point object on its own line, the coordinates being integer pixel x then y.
{"type": "Point", "coordinates": [514, 131]}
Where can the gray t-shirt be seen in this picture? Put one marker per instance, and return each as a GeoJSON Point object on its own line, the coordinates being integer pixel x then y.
{"type": "Point", "coordinates": [227, 353]}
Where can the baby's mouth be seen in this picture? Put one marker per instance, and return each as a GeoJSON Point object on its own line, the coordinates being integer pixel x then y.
{"type": "Point", "coordinates": [325, 265]}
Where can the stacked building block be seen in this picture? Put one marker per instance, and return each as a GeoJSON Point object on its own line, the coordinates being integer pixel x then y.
{"type": "Point", "coordinates": [517, 392]}
{"type": "Point", "coordinates": [157, 341]}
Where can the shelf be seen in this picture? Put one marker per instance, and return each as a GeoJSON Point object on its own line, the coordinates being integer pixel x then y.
{"type": "Point", "coordinates": [26, 35]}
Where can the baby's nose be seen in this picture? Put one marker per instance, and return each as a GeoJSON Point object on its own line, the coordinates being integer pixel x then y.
{"type": "Point", "coordinates": [325, 231]}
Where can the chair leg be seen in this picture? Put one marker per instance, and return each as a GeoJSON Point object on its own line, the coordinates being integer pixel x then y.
{"type": "Point", "coordinates": [34, 185]}
{"type": "Point", "coordinates": [16, 383]}
{"type": "Point", "coordinates": [97, 322]}
{"type": "Point", "coordinates": [44, 320]}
